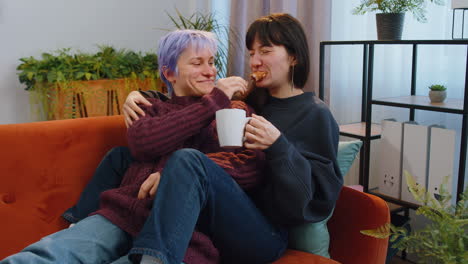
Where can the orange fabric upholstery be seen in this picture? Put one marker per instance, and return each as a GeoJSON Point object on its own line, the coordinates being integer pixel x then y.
{"type": "Point", "coordinates": [299, 257]}
{"type": "Point", "coordinates": [356, 211]}
{"type": "Point", "coordinates": [44, 166]}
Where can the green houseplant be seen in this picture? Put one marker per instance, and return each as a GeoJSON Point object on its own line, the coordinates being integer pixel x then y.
{"type": "Point", "coordinates": [437, 87]}
{"type": "Point", "coordinates": [437, 93]}
{"type": "Point", "coordinates": [391, 13]}
{"type": "Point", "coordinates": [444, 239]}
{"type": "Point", "coordinates": [66, 84]}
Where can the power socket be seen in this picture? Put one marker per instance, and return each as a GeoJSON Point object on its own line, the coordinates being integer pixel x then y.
{"type": "Point", "coordinates": [390, 158]}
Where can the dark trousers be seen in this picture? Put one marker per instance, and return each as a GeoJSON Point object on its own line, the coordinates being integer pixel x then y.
{"type": "Point", "coordinates": [193, 191]}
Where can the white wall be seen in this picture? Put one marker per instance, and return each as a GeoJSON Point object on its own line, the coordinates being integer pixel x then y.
{"type": "Point", "coordinates": [31, 27]}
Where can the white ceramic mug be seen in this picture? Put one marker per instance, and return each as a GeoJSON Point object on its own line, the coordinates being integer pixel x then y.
{"type": "Point", "coordinates": [230, 124]}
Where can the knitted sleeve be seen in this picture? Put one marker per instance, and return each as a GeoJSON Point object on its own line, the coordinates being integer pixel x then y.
{"type": "Point", "coordinates": [162, 132]}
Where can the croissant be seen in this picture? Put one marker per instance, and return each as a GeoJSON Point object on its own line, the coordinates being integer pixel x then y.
{"type": "Point", "coordinates": [258, 75]}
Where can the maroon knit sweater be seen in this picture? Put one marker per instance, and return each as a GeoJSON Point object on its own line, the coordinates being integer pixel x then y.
{"type": "Point", "coordinates": [181, 122]}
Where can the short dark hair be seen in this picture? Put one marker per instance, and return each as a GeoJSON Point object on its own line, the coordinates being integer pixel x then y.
{"type": "Point", "coordinates": [283, 29]}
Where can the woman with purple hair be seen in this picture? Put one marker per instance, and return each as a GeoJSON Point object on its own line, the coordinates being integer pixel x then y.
{"type": "Point", "coordinates": [201, 188]}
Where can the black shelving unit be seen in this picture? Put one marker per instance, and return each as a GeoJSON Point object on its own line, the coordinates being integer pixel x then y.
{"type": "Point", "coordinates": [367, 131]}
{"type": "Point", "coordinates": [463, 10]}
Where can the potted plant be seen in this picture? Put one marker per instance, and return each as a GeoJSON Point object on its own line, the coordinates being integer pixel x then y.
{"type": "Point", "coordinates": [437, 93]}
{"type": "Point", "coordinates": [444, 239]}
{"type": "Point", "coordinates": [391, 14]}
{"type": "Point", "coordinates": [68, 85]}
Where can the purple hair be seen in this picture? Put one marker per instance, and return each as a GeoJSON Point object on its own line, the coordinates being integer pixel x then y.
{"type": "Point", "coordinates": [175, 42]}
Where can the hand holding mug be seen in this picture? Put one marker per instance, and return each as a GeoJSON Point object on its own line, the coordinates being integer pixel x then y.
{"type": "Point", "coordinates": [260, 133]}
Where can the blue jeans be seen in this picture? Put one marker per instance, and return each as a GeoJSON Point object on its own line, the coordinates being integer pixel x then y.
{"type": "Point", "coordinates": [92, 240]}
{"type": "Point", "coordinates": [195, 191]}
{"type": "Point", "coordinates": [108, 175]}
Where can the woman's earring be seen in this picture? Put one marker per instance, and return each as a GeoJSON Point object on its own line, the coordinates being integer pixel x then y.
{"type": "Point", "coordinates": [292, 79]}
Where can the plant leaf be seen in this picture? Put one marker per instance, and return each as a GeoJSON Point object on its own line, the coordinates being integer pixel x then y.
{"type": "Point", "coordinates": [88, 76]}
{"type": "Point", "coordinates": [380, 232]}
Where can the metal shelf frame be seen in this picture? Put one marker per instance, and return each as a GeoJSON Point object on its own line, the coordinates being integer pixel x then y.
{"type": "Point", "coordinates": [368, 47]}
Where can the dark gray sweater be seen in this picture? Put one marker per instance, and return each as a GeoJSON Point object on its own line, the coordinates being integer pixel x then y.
{"type": "Point", "coordinates": [303, 177]}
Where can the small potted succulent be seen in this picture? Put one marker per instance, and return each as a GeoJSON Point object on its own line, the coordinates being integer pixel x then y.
{"type": "Point", "coordinates": [437, 93]}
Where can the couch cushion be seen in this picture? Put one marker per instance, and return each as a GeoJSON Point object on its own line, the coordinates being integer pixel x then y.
{"type": "Point", "coordinates": [314, 237]}
{"type": "Point", "coordinates": [30, 217]}
{"type": "Point", "coordinates": [311, 237]}
{"type": "Point", "coordinates": [347, 151]}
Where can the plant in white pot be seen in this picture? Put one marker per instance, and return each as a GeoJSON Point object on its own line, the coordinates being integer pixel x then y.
{"type": "Point", "coordinates": [437, 93]}
{"type": "Point", "coordinates": [390, 14]}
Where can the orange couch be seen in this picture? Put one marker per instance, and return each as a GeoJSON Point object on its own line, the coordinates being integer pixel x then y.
{"type": "Point", "coordinates": [44, 167]}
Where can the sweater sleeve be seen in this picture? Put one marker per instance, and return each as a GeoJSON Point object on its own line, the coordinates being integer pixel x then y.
{"type": "Point", "coordinates": [304, 177]}
{"type": "Point", "coordinates": [157, 134]}
{"type": "Point", "coordinates": [245, 166]}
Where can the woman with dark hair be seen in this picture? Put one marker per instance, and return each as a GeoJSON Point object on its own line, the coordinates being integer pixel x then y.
{"type": "Point", "coordinates": [296, 130]}
{"type": "Point", "coordinates": [299, 137]}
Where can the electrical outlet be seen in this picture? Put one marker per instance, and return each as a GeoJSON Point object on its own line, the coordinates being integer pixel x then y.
{"type": "Point", "coordinates": [390, 158]}
{"type": "Point", "coordinates": [389, 181]}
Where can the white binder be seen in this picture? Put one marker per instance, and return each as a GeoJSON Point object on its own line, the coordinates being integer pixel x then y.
{"type": "Point", "coordinates": [441, 159]}
{"type": "Point", "coordinates": [389, 172]}
{"type": "Point", "coordinates": [414, 157]}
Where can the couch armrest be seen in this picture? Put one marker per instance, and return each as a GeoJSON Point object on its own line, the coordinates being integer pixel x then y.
{"type": "Point", "coordinates": [356, 211]}
{"type": "Point", "coordinates": [299, 257]}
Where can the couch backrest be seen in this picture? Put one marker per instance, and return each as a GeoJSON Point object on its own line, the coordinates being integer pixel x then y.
{"type": "Point", "coordinates": [44, 166]}
{"type": "Point", "coordinates": [65, 148]}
